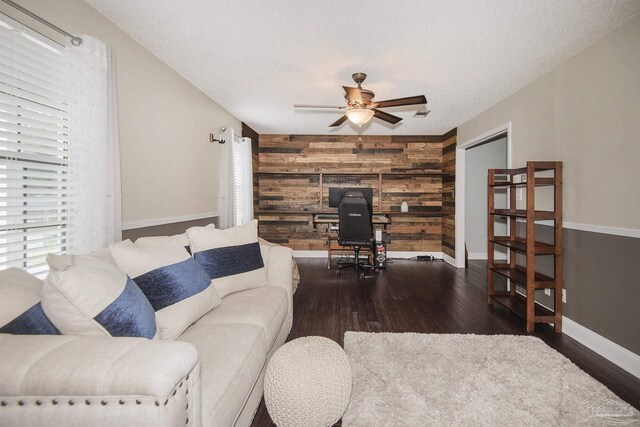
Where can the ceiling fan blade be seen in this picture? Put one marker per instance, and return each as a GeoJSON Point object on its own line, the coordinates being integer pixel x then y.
{"type": "Point", "coordinates": [389, 118]}
{"type": "Point", "coordinates": [353, 94]}
{"type": "Point", "coordinates": [410, 100]}
{"type": "Point", "coordinates": [318, 106]}
{"type": "Point", "coordinates": [338, 122]}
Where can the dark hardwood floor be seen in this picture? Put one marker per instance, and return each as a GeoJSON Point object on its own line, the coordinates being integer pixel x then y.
{"type": "Point", "coordinates": [429, 297]}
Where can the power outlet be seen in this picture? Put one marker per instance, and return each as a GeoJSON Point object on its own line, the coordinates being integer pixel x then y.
{"type": "Point", "coordinates": [547, 292]}
{"type": "Point", "coordinates": [564, 296]}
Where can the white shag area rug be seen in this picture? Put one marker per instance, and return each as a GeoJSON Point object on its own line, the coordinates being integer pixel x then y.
{"type": "Point", "coordinates": [472, 380]}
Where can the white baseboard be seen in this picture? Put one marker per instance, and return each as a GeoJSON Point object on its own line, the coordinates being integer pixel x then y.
{"type": "Point", "coordinates": [616, 231]}
{"type": "Point", "coordinates": [390, 254]}
{"type": "Point", "coordinates": [404, 254]}
{"type": "Point", "coordinates": [309, 254]}
{"type": "Point", "coordinates": [409, 254]}
{"type": "Point", "coordinates": [450, 260]}
{"type": "Point", "coordinates": [611, 351]}
{"type": "Point", "coordinates": [130, 225]}
{"type": "Point", "coordinates": [594, 228]}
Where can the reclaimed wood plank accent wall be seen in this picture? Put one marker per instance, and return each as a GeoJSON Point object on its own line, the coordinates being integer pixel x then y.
{"type": "Point", "coordinates": [294, 174]}
{"type": "Point", "coordinates": [448, 192]}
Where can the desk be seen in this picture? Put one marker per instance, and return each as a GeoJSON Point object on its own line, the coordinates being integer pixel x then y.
{"type": "Point", "coordinates": [333, 247]}
{"type": "Point", "coordinates": [330, 218]}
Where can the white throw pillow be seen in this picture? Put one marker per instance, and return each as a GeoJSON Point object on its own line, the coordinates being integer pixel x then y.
{"type": "Point", "coordinates": [95, 298]}
{"type": "Point", "coordinates": [177, 287]}
{"type": "Point", "coordinates": [231, 257]}
{"type": "Point", "coordinates": [157, 241]}
{"type": "Point", "coordinates": [20, 307]}
{"type": "Point", "coordinates": [60, 262]}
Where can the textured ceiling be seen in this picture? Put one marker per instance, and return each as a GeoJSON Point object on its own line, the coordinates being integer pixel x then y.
{"type": "Point", "coordinates": [258, 58]}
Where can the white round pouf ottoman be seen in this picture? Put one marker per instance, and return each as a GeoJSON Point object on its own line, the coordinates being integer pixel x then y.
{"type": "Point", "coordinates": [307, 383]}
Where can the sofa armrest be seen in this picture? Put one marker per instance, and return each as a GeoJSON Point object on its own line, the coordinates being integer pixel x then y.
{"type": "Point", "coordinates": [280, 265]}
{"type": "Point", "coordinates": [67, 380]}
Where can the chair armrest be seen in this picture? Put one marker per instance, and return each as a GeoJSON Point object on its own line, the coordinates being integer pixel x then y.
{"type": "Point", "coordinates": [66, 380]}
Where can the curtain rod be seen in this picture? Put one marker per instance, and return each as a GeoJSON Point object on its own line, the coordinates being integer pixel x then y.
{"type": "Point", "coordinates": [76, 41]}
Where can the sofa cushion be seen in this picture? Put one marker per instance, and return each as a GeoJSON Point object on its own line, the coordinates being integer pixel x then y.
{"type": "Point", "coordinates": [177, 287]}
{"type": "Point", "coordinates": [232, 257]}
{"type": "Point", "coordinates": [96, 298]}
{"type": "Point", "coordinates": [264, 307]}
{"type": "Point", "coordinates": [20, 308]}
{"type": "Point", "coordinates": [232, 356]}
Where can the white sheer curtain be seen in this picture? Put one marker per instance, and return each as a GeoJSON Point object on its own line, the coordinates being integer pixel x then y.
{"type": "Point", "coordinates": [245, 204]}
{"type": "Point", "coordinates": [93, 145]}
{"type": "Point", "coordinates": [225, 170]}
{"type": "Point", "coordinates": [236, 180]}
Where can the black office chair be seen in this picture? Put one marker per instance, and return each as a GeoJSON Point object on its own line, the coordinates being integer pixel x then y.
{"type": "Point", "coordinates": [356, 228]}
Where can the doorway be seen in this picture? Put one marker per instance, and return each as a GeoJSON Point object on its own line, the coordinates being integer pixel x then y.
{"type": "Point", "coordinates": [473, 158]}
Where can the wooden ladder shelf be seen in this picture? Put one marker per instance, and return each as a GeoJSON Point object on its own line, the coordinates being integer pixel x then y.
{"type": "Point", "coordinates": [527, 247]}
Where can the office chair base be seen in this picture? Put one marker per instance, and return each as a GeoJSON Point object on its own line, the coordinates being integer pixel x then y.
{"type": "Point", "coordinates": [357, 264]}
{"type": "Point", "coordinates": [362, 268]}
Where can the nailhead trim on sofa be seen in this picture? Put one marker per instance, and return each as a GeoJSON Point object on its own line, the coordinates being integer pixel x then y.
{"type": "Point", "coordinates": [40, 402]}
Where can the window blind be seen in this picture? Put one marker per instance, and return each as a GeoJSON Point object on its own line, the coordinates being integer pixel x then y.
{"type": "Point", "coordinates": [34, 166]}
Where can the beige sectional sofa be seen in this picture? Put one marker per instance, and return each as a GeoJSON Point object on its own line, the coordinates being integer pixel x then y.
{"type": "Point", "coordinates": [211, 375]}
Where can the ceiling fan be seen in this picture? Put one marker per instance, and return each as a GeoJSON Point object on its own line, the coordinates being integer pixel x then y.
{"type": "Point", "coordinates": [361, 107]}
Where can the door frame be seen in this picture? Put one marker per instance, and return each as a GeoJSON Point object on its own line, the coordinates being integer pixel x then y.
{"type": "Point", "coordinates": [460, 183]}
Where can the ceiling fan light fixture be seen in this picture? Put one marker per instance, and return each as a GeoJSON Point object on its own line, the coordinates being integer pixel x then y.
{"type": "Point", "coordinates": [360, 116]}
{"type": "Point", "coordinates": [361, 107]}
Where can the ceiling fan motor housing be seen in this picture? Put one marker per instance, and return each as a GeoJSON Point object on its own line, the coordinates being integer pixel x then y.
{"type": "Point", "coordinates": [366, 94]}
{"type": "Point", "coordinates": [367, 98]}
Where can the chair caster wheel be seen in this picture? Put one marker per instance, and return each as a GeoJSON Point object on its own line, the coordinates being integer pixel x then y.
{"type": "Point", "coordinates": [338, 273]}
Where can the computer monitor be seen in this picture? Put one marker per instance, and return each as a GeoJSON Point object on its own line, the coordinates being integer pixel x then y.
{"type": "Point", "coordinates": [336, 194]}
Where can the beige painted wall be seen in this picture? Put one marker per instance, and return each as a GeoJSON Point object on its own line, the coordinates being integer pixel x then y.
{"type": "Point", "coordinates": [169, 167]}
{"type": "Point", "coordinates": [585, 112]}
